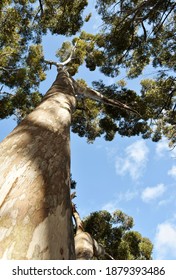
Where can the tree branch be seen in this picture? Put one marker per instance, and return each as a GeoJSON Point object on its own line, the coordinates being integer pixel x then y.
{"type": "Point", "coordinates": [73, 195]}
{"type": "Point", "coordinates": [95, 95]}
{"type": "Point", "coordinates": [41, 7]}
{"type": "Point", "coordinates": [91, 93]}
{"type": "Point", "coordinates": [9, 69]}
{"type": "Point", "coordinates": [86, 246]}
{"type": "Point", "coordinates": [161, 22]}
{"type": "Point", "coordinates": [64, 63]}
{"type": "Point", "coordinates": [86, 91]}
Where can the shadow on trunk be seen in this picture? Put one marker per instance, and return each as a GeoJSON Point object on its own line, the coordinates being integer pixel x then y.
{"type": "Point", "coordinates": [35, 207]}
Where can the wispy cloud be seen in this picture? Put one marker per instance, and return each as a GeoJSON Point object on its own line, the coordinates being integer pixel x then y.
{"type": "Point", "coordinates": [165, 202]}
{"type": "Point", "coordinates": [151, 193]}
{"type": "Point", "coordinates": [133, 161]}
{"type": "Point", "coordinates": [128, 195]}
{"type": "Point", "coordinates": [165, 241]}
{"type": "Point", "coordinates": [113, 205]}
{"type": "Point", "coordinates": [172, 171]}
{"type": "Point", "coordinates": [162, 148]}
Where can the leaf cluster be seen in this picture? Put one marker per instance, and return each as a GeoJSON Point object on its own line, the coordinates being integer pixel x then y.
{"type": "Point", "coordinates": [23, 24]}
{"type": "Point", "coordinates": [114, 232]}
{"type": "Point", "coordinates": [136, 33]}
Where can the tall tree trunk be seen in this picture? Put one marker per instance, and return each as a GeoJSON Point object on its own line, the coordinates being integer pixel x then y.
{"type": "Point", "coordinates": [35, 207]}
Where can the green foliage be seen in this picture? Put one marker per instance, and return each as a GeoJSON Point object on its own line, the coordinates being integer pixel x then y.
{"type": "Point", "coordinates": [6, 104]}
{"type": "Point", "coordinates": [115, 233]}
{"type": "Point", "coordinates": [23, 24]}
{"type": "Point", "coordinates": [72, 182]}
{"type": "Point", "coordinates": [106, 119]}
{"type": "Point", "coordinates": [85, 120]}
{"type": "Point", "coordinates": [62, 17]}
{"type": "Point", "coordinates": [134, 34]}
{"type": "Point", "coordinates": [87, 18]}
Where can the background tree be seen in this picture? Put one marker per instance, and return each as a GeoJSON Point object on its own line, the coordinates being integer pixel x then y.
{"type": "Point", "coordinates": [114, 232]}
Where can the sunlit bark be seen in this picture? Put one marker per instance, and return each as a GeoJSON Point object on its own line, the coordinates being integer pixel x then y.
{"type": "Point", "coordinates": [35, 207]}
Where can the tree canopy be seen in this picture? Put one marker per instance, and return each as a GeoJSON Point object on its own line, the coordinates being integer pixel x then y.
{"type": "Point", "coordinates": [114, 232]}
{"type": "Point", "coordinates": [134, 34]}
{"type": "Point", "coordinates": [23, 24]}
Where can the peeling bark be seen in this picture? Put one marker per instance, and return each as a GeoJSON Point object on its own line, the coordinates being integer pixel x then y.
{"type": "Point", "coordinates": [35, 207]}
{"type": "Point", "coordinates": [86, 247]}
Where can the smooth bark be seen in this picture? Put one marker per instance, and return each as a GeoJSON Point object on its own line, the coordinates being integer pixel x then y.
{"type": "Point", "coordinates": [35, 206]}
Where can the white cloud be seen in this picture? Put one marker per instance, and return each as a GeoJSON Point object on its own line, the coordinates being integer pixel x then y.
{"type": "Point", "coordinates": [134, 160]}
{"type": "Point", "coordinates": [151, 193]}
{"type": "Point", "coordinates": [110, 206]}
{"type": "Point", "coordinates": [122, 197]}
{"type": "Point", "coordinates": [165, 241]}
{"type": "Point", "coordinates": [128, 195]}
{"type": "Point", "coordinates": [162, 147]}
{"type": "Point", "coordinates": [172, 171]}
{"type": "Point", "coordinates": [164, 202]}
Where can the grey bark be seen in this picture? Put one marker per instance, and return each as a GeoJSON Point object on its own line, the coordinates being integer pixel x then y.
{"type": "Point", "coordinates": [86, 247]}
{"type": "Point", "coordinates": [35, 206]}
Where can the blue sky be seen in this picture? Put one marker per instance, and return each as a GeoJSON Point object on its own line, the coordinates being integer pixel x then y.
{"type": "Point", "coordinates": [135, 176]}
{"type": "Point", "coordinates": [131, 174]}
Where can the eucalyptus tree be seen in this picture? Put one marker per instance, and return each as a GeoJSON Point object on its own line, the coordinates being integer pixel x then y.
{"type": "Point", "coordinates": [35, 208]}
{"type": "Point", "coordinates": [35, 184]}
{"type": "Point", "coordinates": [35, 158]}
{"type": "Point", "coordinates": [36, 216]}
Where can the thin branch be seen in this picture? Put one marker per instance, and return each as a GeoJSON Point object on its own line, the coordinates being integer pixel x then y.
{"type": "Point", "coordinates": [108, 255]}
{"type": "Point", "coordinates": [5, 69]}
{"type": "Point", "coordinates": [6, 54]}
{"type": "Point", "coordinates": [167, 102]}
{"type": "Point", "coordinates": [4, 94]}
{"type": "Point", "coordinates": [145, 32]}
{"type": "Point", "coordinates": [127, 51]}
{"type": "Point", "coordinates": [72, 195]}
{"type": "Point", "coordinates": [161, 22]}
{"type": "Point", "coordinates": [70, 56]}
{"type": "Point", "coordinates": [64, 63]}
{"type": "Point", "coordinates": [51, 62]}
{"type": "Point", "coordinates": [135, 11]}
{"type": "Point", "coordinates": [78, 222]}
{"type": "Point", "coordinates": [41, 7]}
{"type": "Point", "coordinates": [9, 69]}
